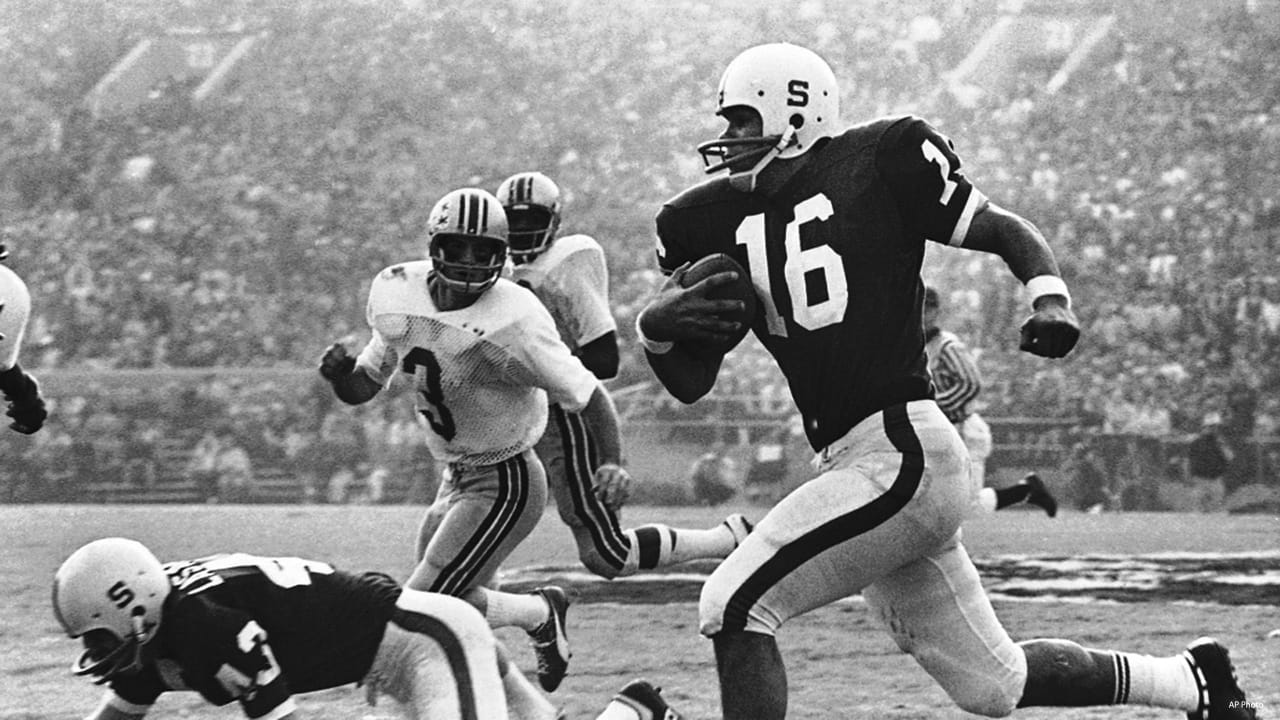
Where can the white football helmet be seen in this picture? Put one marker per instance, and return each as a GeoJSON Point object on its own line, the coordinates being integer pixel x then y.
{"type": "Point", "coordinates": [795, 93]}
{"type": "Point", "coordinates": [111, 594]}
{"type": "Point", "coordinates": [467, 231]}
{"type": "Point", "coordinates": [532, 201]}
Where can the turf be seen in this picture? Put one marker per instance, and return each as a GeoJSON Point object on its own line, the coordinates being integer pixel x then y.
{"type": "Point", "coordinates": [1186, 575]}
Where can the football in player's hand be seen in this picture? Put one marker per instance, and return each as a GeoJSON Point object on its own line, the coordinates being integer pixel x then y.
{"type": "Point", "coordinates": [740, 289]}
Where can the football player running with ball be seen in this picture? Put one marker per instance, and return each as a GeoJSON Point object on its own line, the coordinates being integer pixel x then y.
{"type": "Point", "coordinates": [570, 277]}
{"type": "Point", "coordinates": [831, 225]}
{"type": "Point", "coordinates": [258, 630]}
{"type": "Point", "coordinates": [484, 357]}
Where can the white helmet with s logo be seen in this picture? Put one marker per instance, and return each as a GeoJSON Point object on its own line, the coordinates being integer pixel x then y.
{"type": "Point", "coordinates": [110, 593]}
{"type": "Point", "coordinates": [795, 93]}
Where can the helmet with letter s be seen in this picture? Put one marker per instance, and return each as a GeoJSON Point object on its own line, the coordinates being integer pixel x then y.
{"type": "Point", "coordinates": [796, 95]}
{"type": "Point", "coordinates": [110, 593]}
{"type": "Point", "coordinates": [532, 202]}
{"type": "Point", "coordinates": [467, 240]}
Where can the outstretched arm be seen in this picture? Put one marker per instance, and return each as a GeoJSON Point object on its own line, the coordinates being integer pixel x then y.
{"type": "Point", "coordinates": [1052, 330]}
{"type": "Point", "coordinates": [612, 481]}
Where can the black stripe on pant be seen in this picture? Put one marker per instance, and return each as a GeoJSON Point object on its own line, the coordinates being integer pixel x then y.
{"type": "Point", "coordinates": [838, 530]}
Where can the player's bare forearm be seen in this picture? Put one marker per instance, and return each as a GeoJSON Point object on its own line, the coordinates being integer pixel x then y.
{"type": "Point", "coordinates": [1015, 239]}
{"type": "Point", "coordinates": [688, 376]}
{"type": "Point", "coordinates": [602, 417]}
{"type": "Point", "coordinates": [355, 387]}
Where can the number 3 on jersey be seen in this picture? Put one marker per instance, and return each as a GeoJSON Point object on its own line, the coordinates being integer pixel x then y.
{"type": "Point", "coordinates": [798, 263]}
{"type": "Point", "coordinates": [438, 416]}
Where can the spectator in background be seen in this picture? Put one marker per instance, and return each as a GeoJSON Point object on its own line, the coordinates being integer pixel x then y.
{"type": "Point", "coordinates": [202, 466]}
{"type": "Point", "coordinates": [235, 470]}
{"type": "Point", "coordinates": [1208, 457]}
{"type": "Point", "coordinates": [710, 477]}
{"type": "Point", "coordinates": [767, 476]}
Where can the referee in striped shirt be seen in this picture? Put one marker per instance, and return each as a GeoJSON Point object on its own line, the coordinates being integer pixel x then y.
{"type": "Point", "coordinates": [956, 384]}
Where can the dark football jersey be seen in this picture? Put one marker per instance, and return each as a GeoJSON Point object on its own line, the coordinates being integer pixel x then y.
{"type": "Point", "coordinates": [835, 258]}
{"type": "Point", "coordinates": [258, 629]}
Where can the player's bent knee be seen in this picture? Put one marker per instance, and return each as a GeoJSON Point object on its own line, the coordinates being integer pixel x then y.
{"type": "Point", "coordinates": [715, 614]}
{"type": "Point", "coordinates": [990, 690]}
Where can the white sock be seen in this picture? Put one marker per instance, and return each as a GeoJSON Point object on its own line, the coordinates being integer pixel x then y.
{"type": "Point", "coordinates": [986, 500]}
{"type": "Point", "coordinates": [525, 611]}
{"type": "Point", "coordinates": [657, 545]}
{"type": "Point", "coordinates": [1160, 681]}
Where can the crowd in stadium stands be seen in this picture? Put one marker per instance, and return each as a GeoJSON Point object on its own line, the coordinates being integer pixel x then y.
{"type": "Point", "coordinates": [242, 231]}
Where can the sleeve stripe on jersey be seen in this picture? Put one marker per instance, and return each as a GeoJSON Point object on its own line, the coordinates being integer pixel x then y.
{"type": "Point", "coordinates": [975, 201]}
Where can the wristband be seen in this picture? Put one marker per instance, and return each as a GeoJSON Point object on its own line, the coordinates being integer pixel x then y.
{"type": "Point", "coordinates": [657, 347]}
{"type": "Point", "coordinates": [1042, 285]}
{"type": "Point", "coordinates": [612, 465]}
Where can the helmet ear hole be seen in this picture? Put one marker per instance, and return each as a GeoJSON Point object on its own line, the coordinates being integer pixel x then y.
{"type": "Point", "coordinates": [797, 121]}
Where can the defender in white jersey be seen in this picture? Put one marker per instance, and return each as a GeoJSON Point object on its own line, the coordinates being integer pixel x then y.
{"type": "Point", "coordinates": [484, 357]}
{"type": "Point", "coordinates": [21, 391]}
{"type": "Point", "coordinates": [570, 276]}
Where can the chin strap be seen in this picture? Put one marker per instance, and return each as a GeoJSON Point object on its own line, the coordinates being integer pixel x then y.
{"type": "Point", "coordinates": [745, 181]}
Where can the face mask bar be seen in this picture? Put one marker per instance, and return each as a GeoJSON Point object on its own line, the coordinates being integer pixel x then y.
{"type": "Point", "coordinates": [764, 148]}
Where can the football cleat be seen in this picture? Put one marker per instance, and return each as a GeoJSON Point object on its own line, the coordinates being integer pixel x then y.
{"type": "Point", "coordinates": [1040, 495]}
{"type": "Point", "coordinates": [550, 642]}
{"type": "Point", "coordinates": [642, 697]}
{"type": "Point", "coordinates": [1220, 695]}
{"type": "Point", "coordinates": [740, 526]}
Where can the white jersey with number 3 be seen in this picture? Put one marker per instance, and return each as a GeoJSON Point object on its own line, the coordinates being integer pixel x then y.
{"type": "Point", "coordinates": [482, 374]}
{"type": "Point", "coordinates": [572, 279]}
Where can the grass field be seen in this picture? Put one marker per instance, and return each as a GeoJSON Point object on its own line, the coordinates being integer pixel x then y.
{"type": "Point", "coordinates": [1141, 582]}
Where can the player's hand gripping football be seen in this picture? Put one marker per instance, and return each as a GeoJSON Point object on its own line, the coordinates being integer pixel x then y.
{"type": "Point", "coordinates": [612, 484]}
{"type": "Point", "coordinates": [691, 314]}
{"type": "Point", "coordinates": [336, 364]}
{"type": "Point", "coordinates": [1052, 330]}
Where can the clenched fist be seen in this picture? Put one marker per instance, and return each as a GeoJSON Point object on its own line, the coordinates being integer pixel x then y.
{"type": "Point", "coordinates": [1052, 331]}
{"type": "Point", "coordinates": [336, 364]}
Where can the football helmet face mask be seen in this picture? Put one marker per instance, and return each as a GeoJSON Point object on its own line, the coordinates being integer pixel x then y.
{"type": "Point", "coordinates": [794, 93]}
{"type": "Point", "coordinates": [467, 240]}
{"type": "Point", "coordinates": [110, 594]}
{"type": "Point", "coordinates": [532, 202]}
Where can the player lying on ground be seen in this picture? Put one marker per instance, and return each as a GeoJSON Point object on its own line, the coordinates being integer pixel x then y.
{"type": "Point", "coordinates": [257, 630]}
